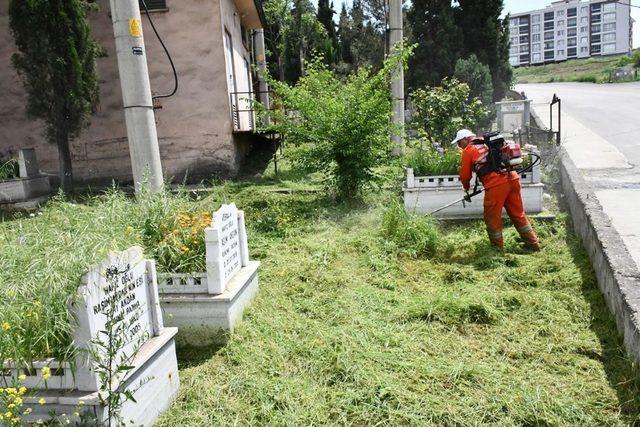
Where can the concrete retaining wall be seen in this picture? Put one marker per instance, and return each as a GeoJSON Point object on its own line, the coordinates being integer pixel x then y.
{"type": "Point", "coordinates": [617, 273]}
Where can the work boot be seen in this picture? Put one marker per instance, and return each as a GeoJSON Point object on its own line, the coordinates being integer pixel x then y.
{"type": "Point", "coordinates": [531, 240]}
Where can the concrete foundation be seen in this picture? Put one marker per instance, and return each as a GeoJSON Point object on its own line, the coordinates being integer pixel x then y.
{"type": "Point", "coordinates": [205, 319]}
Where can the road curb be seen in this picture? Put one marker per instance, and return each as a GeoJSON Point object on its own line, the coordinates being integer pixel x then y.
{"type": "Point", "coordinates": [616, 271]}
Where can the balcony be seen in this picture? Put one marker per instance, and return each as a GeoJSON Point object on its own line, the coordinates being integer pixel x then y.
{"type": "Point", "coordinates": [244, 112]}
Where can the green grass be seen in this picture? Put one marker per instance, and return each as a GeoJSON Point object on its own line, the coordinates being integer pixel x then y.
{"type": "Point", "coordinates": [366, 315]}
{"type": "Point", "coordinates": [355, 326]}
{"type": "Point", "coordinates": [593, 70]}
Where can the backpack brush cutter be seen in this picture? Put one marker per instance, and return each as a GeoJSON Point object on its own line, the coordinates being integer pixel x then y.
{"type": "Point", "coordinates": [503, 157]}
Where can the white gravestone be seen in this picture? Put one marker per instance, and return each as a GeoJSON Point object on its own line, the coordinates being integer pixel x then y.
{"type": "Point", "coordinates": [227, 249]}
{"type": "Point", "coordinates": [122, 288]}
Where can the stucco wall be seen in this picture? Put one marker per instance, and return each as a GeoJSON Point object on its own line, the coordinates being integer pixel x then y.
{"type": "Point", "coordinates": [194, 126]}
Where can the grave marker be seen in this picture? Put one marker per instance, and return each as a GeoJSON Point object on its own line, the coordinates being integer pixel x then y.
{"type": "Point", "coordinates": [227, 249]}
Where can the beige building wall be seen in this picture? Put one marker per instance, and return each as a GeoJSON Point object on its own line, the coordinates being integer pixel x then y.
{"type": "Point", "coordinates": [194, 126]}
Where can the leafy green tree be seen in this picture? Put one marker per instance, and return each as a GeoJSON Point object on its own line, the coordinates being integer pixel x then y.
{"type": "Point", "coordinates": [338, 126]}
{"type": "Point", "coordinates": [56, 60]}
{"type": "Point", "coordinates": [477, 76]}
{"type": "Point", "coordinates": [440, 111]}
{"type": "Point", "coordinates": [486, 35]}
{"type": "Point", "coordinates": [439, 42]}
{"type": "Point", "coordinates": [279, 19]}
{"type": "Point", "coordinates": [303, 36]}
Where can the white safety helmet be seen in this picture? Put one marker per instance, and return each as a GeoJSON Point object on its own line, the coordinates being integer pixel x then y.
{"type": "Point", "coordinates": [462, 133]}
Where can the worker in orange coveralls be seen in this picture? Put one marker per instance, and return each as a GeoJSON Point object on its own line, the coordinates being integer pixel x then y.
{"type": "Point", "coordinates": [502, 190]}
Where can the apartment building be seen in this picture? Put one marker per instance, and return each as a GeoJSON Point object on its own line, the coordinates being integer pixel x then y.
{"type": "Point", "coordinates": [570, 29]}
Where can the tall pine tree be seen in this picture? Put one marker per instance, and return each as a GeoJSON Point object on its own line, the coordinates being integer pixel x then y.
{"type": "Point", "coordinates": [487, 36]}
{"type": "Point", "coordinates": [345, 32]}
{"type": "Point", "coordinates": [325, 17]}
{"type": "Point", "coordinates": [439, 42]}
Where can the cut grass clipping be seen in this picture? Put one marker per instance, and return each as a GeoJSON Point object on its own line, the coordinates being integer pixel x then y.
{"type": "Point", "coordinates": [366, 316]}
{"type": "Point", "coordinates": [376, 317]}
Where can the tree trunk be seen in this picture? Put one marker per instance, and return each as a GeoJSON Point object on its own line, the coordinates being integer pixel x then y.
{"type": "Point", "coordinates": [64, 159]}
{"type": "Point", "coordinates": [280, 68]}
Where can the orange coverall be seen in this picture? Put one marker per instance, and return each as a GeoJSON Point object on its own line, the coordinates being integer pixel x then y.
{"type": "Point", "coordinates": [502, 190]}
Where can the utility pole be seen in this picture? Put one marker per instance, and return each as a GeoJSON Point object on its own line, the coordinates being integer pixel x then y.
{"type": "Point", "coordinates": [261, 62]}
{"type": "Point", "coordinates": [136, 95]}
{"type": "Point", "coordinates": [397, 80]}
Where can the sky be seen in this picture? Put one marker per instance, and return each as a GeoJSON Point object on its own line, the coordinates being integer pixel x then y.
{"type": "Point", "coordinates": [516, 6]}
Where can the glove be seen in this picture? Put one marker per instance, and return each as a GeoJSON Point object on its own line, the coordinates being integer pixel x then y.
{"type": "Point", "coordinates": [467, 196]}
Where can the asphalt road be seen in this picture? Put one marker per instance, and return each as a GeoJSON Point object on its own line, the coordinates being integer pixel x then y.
{"type": "Point", "coordinates": [612, 111]}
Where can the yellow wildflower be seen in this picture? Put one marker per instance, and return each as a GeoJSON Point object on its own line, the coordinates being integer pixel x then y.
{"type": "Point", "coordinates": [16, 420]}
{"type": "Point", "coordinates": [42, 401]}
{"type": "Point", "coordinates": [46, 373]}
{"type": "Point", "coordinates": [27, 411]}
{"type": "Point", "coordinates": [6, 326]}
{"type": "Point", "coordinates": [129, 229]}
{"type": "Point", "coordinates": [8, 414]}
{"type": "Point", "coordinates": [68, 421]}
{"type": "Point", "coordinates": [22, 377]}
{"type": "Point", "coordinates": [76, 414]}
{"type": "Point", "coordinates": [17, 401]}
{"type": "Point", "coordinates": [81, 402]}
{"type": "Point", "coordinates": [22, 390]}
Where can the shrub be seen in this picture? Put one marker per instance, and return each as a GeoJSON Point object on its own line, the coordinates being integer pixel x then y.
{"type": "Point", "coordinates": [412, 234]}
{"type": "Point", "coordinates": [439, 112]}
{"type": "Point", "coordinates": [340, 128]}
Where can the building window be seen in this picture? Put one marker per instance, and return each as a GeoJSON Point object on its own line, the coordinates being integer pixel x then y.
{"type": "Point", "coordinates": [514, 40]}
{"type": "Point", "coordinates": [535, 18]}
{"type": "Point", "coordinates": [596, 7]}
{"type": "Point", "coordinates": [524, 20]}
{"type": "Point", "coordinates": [548, 16]}
{"type": "Point", "coordinates": [513, 22]}
{"type": "Point", "coordinates": [513, 50]}
{"type": "Point", "coordinates": [572, 12]}
{"type": "Point", "coordinates": [584, 49]}
{"type": "Point", "coordinates": [536, 57]}
{"type": "Point", "coordinates": [595, 38]}
{"type": "Point", "coordinates": [584, 29]}
{"type": "Point", "coordinates": [536, 37]}
{"type": "Point", "coordinates": [536, 47]}
{"type": "Point", "coordinates": [548, 45]}
{"type": "Point", "coordinates": [548, 55]}
{"type": "Point", "coordinates": [572, 42]}
{"type": "Point", "coordinates": [595, 28]}
{"type": "Point", "coordinates": [584, 20]}
{"type": "Point", "coordinates": [608, 48]}
{"type": "Point", "coordinates": [584, 10]}
{"type": "Point", "coordinates": [560, 13]}
{"type": "Point", "coordinates": [560, 43]}
{"type": "Point", "coordinates": [524, 48]}
{"type": "Point", "coordinates": [548, 35]}
{"type": "Point", "coordinates": [548, 25]}
{"type": "Point", "coordinates": [560, 32]}
{"type": "Point", "coordinates": [584, 40]}
{"type": "Point", "coordinates": [572, 51]}
{"type": "Point", "coordinates": [524, 58]}
{"type": "Point", "coordinates": [524, 39]}
{"type": "Point", "coordinates": [609, 27]}
{"type": "Point", "coordinates": [561, 53]}
{"type": "Point", "coordinates": [609, 16]}
{"type": "Point", "coordinates": [595, 48]}
{"type": "Point", "coordinates": [572, 22]}
{"type": "Point", "coordinates": [609, 37]}
{"type": "Point", "coordinates": [524, 30]}
{"type": "Point", "coordinates": [535, 28]}
{"type": "Point", "coordinates": [596, 19]}
{"type": "Point", "coordinates": [154, 4]}
{"type": "Point", "coordinates": [609, 7]}
{"type": "Point", "coordinates": [572, 32]}
{"type": "Point", "coordinates": [561, 23]}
